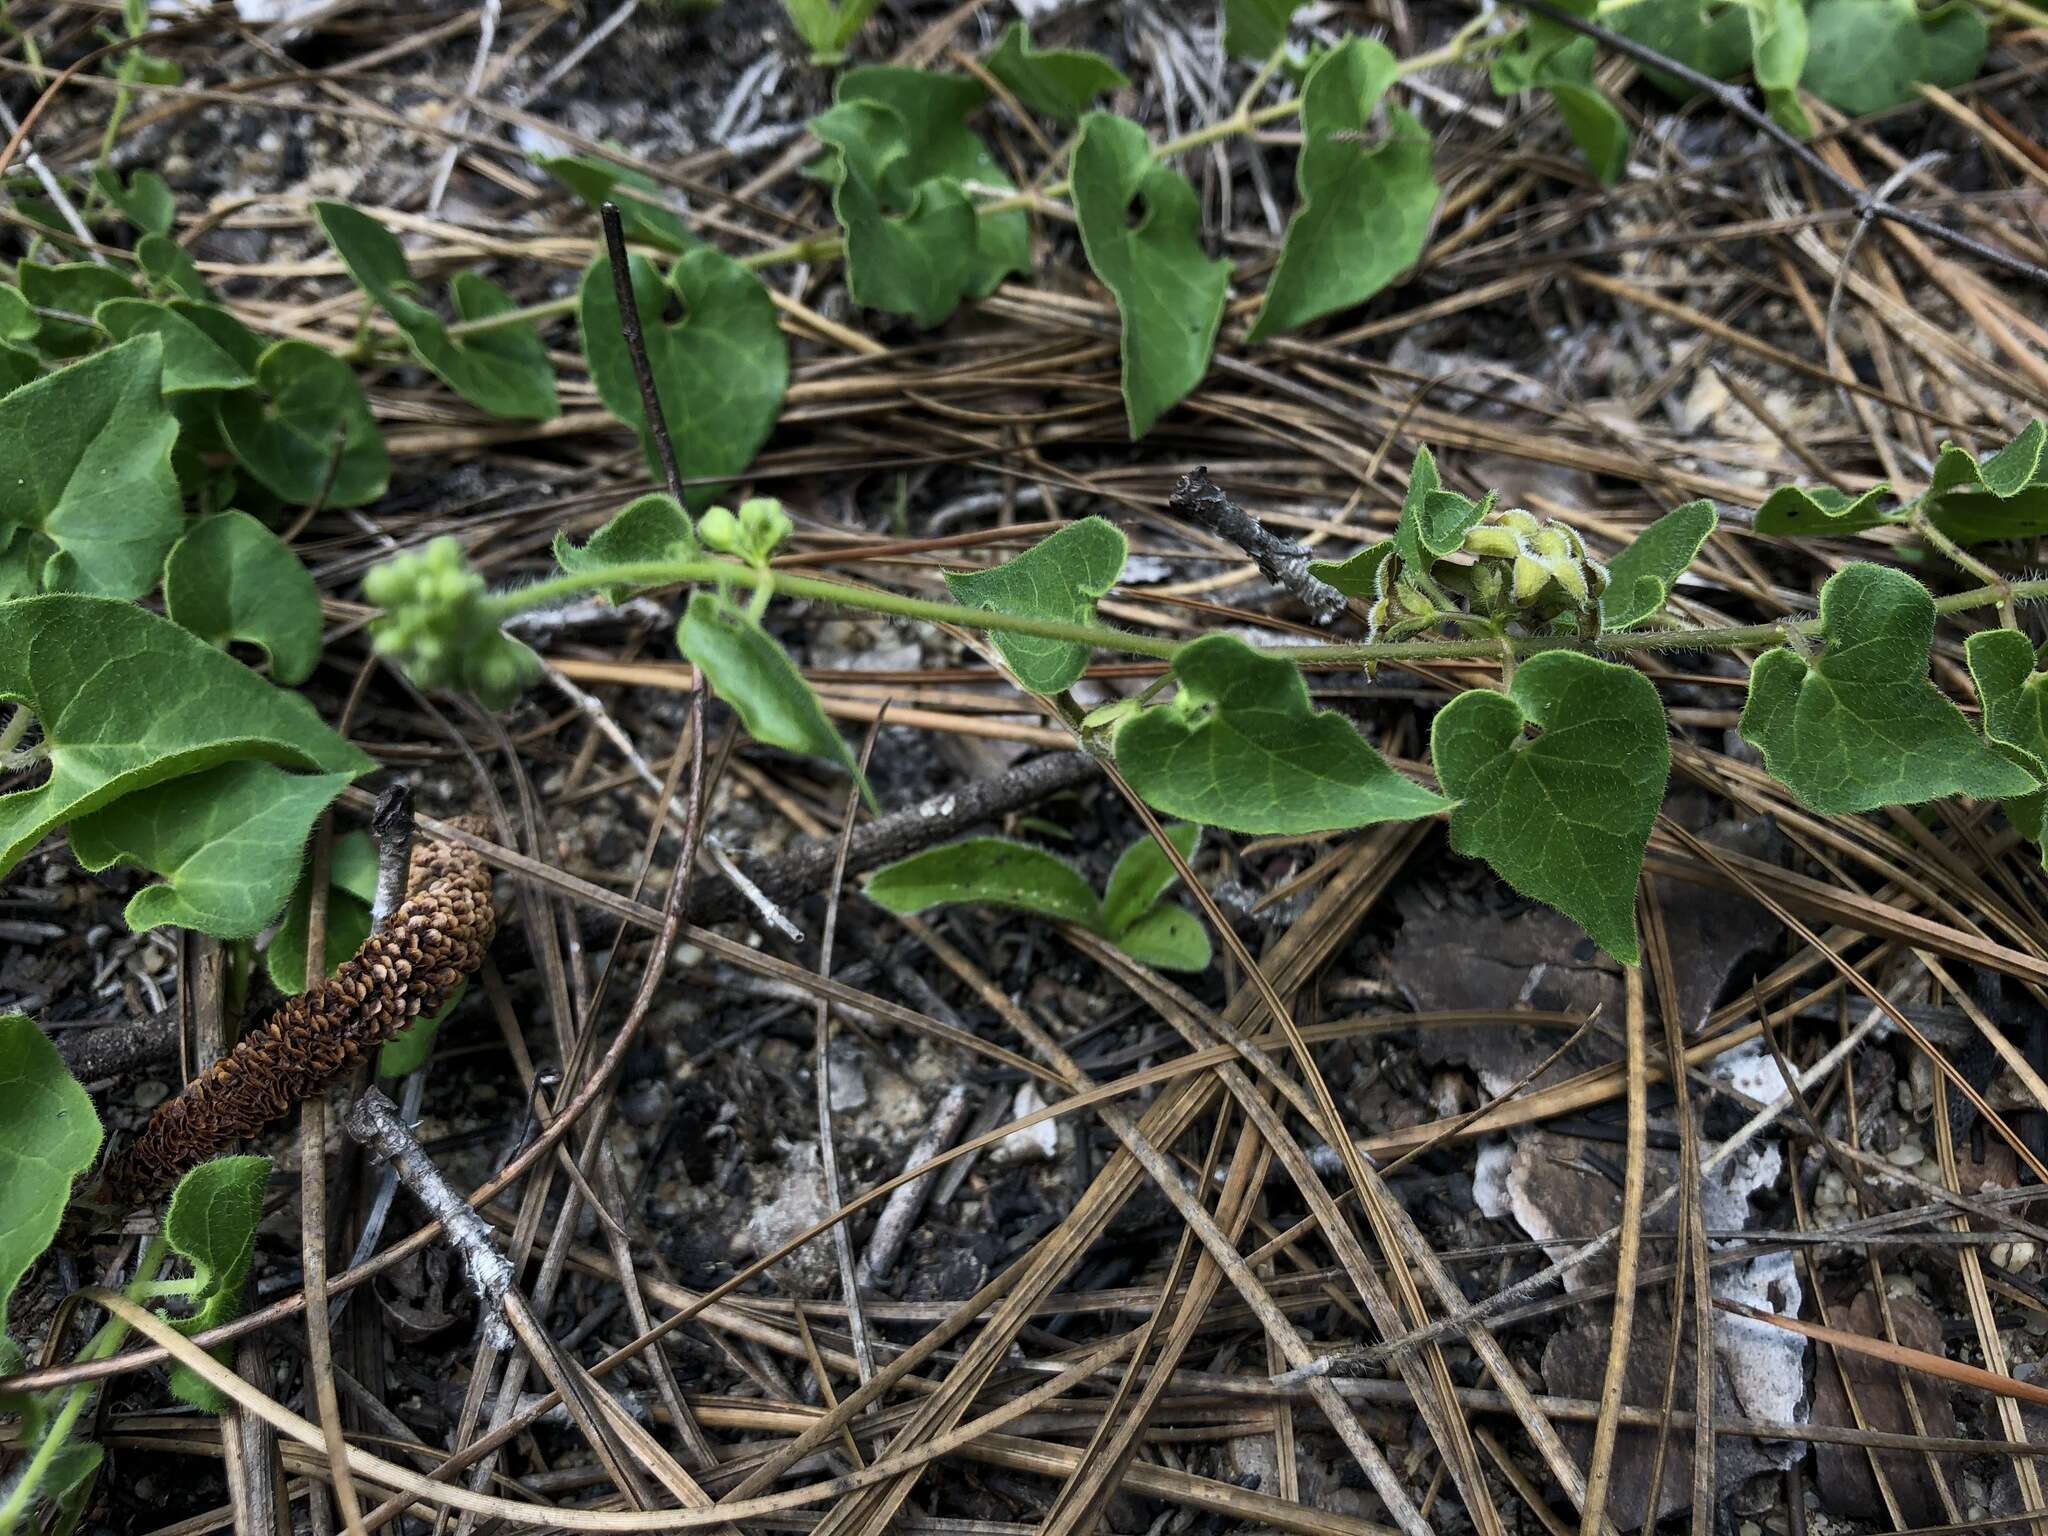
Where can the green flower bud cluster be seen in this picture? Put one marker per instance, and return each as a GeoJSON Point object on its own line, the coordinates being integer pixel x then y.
{"type": "Point", "coordinates": [438, 625]}
{"type": "Point", "coordinates": [1528, 568]}
{"type": "Point", "coordinates": [753, 534]}
{"type": "Point", "coordinates": [1521, 569]}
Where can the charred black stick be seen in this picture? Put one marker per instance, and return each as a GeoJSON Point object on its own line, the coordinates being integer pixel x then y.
{"type": "Point", "coordinates": [1284, 563]}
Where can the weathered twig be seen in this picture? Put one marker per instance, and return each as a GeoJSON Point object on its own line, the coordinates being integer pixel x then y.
{"type": "Point", "coordinates": [373, 1121]}
{"type": "Point", "coordinates": [1285, 564]}
{"type": "Point", "coordinates": [391, 824]}
{"type": "Point", "coordinates": [900, 1214]}
{"type": "Point", "coordinates": [1733, 99]}
{"type": "Point", "coordinates": [636, 348]}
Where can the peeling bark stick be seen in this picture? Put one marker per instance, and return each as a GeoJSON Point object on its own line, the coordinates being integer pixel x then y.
{"type": "Point", "coordinates": [373, 1121]}
{"type": "Point", "coordinates": [1285, 564]}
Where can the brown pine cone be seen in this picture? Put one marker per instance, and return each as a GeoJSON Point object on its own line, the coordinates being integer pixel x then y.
{"type": "Point", "coordinates": [408, 967]}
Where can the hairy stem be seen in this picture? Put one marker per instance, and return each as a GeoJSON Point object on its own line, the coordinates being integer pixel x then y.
{"type": "Point", "coordinates": [1726, 637]}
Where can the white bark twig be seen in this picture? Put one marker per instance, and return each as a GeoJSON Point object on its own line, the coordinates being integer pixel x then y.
{"type": "Point", "coordinates": [373, 1121]}
{"type": "Point", "coordinates": [393, 826]}
{"type": "Point", "coordinates": [899, 1215]}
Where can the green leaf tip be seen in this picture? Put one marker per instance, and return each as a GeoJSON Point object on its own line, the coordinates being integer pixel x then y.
{"type": "Point", "coordinates": [1241, 747]}
{"type": "Point", "coordinates": [753, 674]}
{"type": "Point", "coordinates": [1169, 293]}
{"type": "Point", "coordinates": [648, 529]}
{"type": "Point", "coordinates": [2015, 699]}
{"type": "Point", "coordinates": [1861, 726]}
{"type": "Point", "coordinates": [1060, 82]}
{"type": "Point", "coordinates": [1060, 577]}
{"type": "Point", "coordinates": [1563, 818]}
{"type": "Point", "coordinates": [48, 1137]}
{"type": "Point", "coordinates": [1640, 579]}
{"type": "Point", "coordinates": [1366, 196]}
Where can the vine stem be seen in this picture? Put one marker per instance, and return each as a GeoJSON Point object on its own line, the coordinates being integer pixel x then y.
{"type": "Point", "coordinates": [1102, 637]}
{"type": "Point", "coordinates": [16, 728]}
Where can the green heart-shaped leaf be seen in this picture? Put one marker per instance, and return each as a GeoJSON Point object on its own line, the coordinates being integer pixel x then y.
{"type": "Point", "coordinates": [1862, 726]}
{"type": "Point", "coordinates": [1366, 196]}
{"type": "Point", "coordinates": [1060, 577]}
{"type": "Point", "coordinates": [1168, 292]}
{"type": "Point", "coordinates": [1142, 875]}
{"type": "Point", "coordinates": [89, 455]}
{"type": "Point", "coordinates": [650, 528]}
{"type": "Point", "coordinates": [192, 359]}
{"type": "Point", "coordinates": [1240, 747]}
{"type": "Point", "coordinates": [720, 369]}
{"type": "Point", "coordinates": [231, 578]}
{"type": "Point", "coordinates": [1168, 938]}
{"type": "Point", "coordinates": [1563, 817]}
{"type": "Point", "coordinates": [74, 288]}
{"type": "Point", "coordinates": [305, 431]}
{"type": "Point", "coordinates": [212, 1224]}
{"type": "Point", "coordinates": [1640, 578]}
{"type": "Point", "coordinates": [227, 840]}
{"type": "Point", "coordinates": [127, 699]}
{"type": "Point", "coordinates": [351, 887]}
{"type": "Point", "coordinates": [2004, 497]}
{"type": "Point", "coordinates": [1822, 512]}
{"type": "Point", "coordinates": [504, 370]}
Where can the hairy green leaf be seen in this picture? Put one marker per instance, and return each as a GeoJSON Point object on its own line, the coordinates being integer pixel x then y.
{"type": "Point", "coordinates": [755, 676]}
{"type": "Point", "coordinates": [1060, 577]}
{"type": "Point", "coordinates": [231, 578]}
{"type": "Point", "coordinates": [2005, 497]}
{"type": "Point", "coordinates": [144, 200]}
{"type": "Point", "coordinates": [901, 150]}
{"type": "Point", "coordinates": [990, 870]}
{"type": "Point", "coordinates": [17, 367]}
{"type": "Point", "coordinates": [720, 370]}
{"type": "Point", "coordinates": [1821, 511]}
{"type": "Point", "coordinates": [1861, 726]}
{"type": "Point", "coordinates": [48, 1137]}
{"type": "Point", "coordinates": [1168, 292]}
{"type": "Point", "coordinates": [1366, 194]}
{"type": "Point", "coordinates": [1434, 520]}
{"type": "Point", "coordinates": [1358, 576]}
{"type": "Point", "coordinates": [212, 1225]}
{"type": "Point", "coordinates": [1252, 29]}
{"type": "Point", "coordinates": [351, 887]}
{"type": "Point", "coordinates": [644, 214]}
{"type": "Point", "coordinates": [228, 842]}
{"type": "Point", "coordinates": [648, 528]}
{"type": "Point", "coordinates": [1168, 938]}
{"type": "Point", "coordinates": [1640, 578]}
{"type": "Point", "coordinates": [89, 451]}
{"type": "Point", "coordinates": [2015, 699]}
{"type": "Point", "coordinates": [1563, 818]}
{"type": "Point", "coordinates": [1595, 123]}
{"type": "Point", "coordinates": [1240, 747]}
{"type": "Point", "coordinates": [127, 699]}
{"type": "Point", "coordinates": [305, 431]}
{"type": "Point", "coordinates": [1060, 82]}
{"type": "Point", "coordinates": [1867, 55]}
{"type": "Point", "coordinates": [1142, 875]}
{"type": "Point", "coordinates": [192, 359]}
{"type": "Point", "coordinates": [73, 288]}
{"type": "Point", "coordinates": [18, 320]}
{"type": "Point", "coordinates": [504, 370]}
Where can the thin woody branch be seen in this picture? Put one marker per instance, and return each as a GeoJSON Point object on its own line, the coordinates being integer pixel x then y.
{"type": "Point", "coordinates": [1284, 563]}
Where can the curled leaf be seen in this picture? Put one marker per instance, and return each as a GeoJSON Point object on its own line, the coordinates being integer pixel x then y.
{"type": "Point", "coordinates": [1640, 578]}
{"type": "Point", "coordinates": [231, 578]}
{"type": "Point", "coordinates": [1141, 228]}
